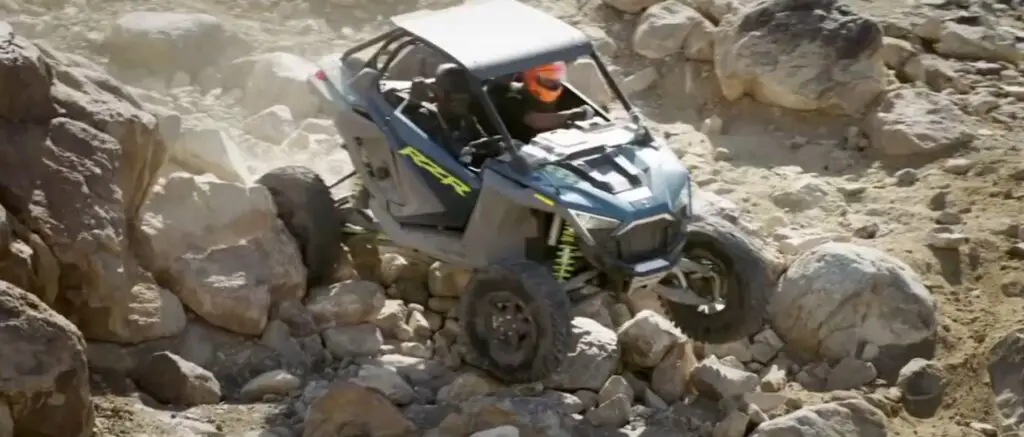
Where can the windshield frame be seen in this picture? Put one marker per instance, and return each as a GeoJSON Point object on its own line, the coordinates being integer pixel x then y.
{"type": "Point", "coordinates": [509, 144]}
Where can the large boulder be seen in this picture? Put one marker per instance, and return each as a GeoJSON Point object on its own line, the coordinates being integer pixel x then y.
{"type": "Point", "coordinates": [1006, 376]}
{"type": "Point", "coordinates": [670, 27]}
{"type": "Point", "coordinates": [276, 78]}
{"type": "Point", "coordinates": [25, 78]}
{"type": "Point", "coordinates": [917, 121]}
{"type": "Point", "coordinates": [968, 38]}
{"type": "Point", "coordinates": [221, 248]}
{"type": "Point", "coordinates": [232, 359]}
{"type": "Point", "coordinates": [594, 358]}
{"type": "Point", "coordinates": [842, 300]}
{"type": "Point", "coordinates": [167, 42]}
{"type": "Point", "coordinates": [210, 150]}
{"type": "Point", "coordinates": [851, 417]}
{"type": "Point", "coordinates": [351, 410]}
{"type": "Point", "coordinates": [44, 377]}
{"type": "Point", "coordinates": [77, 180]}
{"type": "Point", "coordinates": [25, 261]}
{"type": "Point", "coordinates": [801, 54]}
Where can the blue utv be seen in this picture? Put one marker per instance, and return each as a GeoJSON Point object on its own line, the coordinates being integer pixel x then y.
{"type": "Point", "coordinates": [597, 205]}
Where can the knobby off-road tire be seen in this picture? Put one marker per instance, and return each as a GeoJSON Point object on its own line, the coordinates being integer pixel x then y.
{"type": "Point", "coordinates": [747, 277]}
{"type": "Point", "coordinates": [305, 205]}
{"type": "Point", "coordinates": [547, 305]}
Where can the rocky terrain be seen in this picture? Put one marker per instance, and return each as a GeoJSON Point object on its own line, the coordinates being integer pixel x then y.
{"type": "Point", "coordinates": [148, 288]}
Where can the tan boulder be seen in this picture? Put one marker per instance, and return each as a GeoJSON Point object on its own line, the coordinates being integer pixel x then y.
{"type": "Point", "coordinates": [220, 248]}
{"type": "Point", "coordinates": [76, 181]}
{"type": "Point", "coordinates": [44, 377]}
{"type": "Point", "coordinates": [352, 410]}
{"type": "Point", "coordinates": [802, 55]}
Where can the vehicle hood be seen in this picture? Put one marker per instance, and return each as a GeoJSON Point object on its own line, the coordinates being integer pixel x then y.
{"type": "Point", "coordinates": [625, 182]}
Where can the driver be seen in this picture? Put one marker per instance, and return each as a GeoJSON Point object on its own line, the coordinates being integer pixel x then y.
{"type": "Point", "coordinates": [451, 86]}
{"type": "Point", "coordinates": [530, 107]}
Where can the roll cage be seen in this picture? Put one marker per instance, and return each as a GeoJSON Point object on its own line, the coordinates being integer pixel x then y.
{"type": "Point", "coordinates": [395, 42]}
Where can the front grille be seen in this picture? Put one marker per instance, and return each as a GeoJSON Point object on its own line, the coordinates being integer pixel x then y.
{"type": "Point", "coordinates": [648, 240]}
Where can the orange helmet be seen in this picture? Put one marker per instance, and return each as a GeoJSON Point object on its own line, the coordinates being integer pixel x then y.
{"type": "Point", "coordinates": [545, 81]}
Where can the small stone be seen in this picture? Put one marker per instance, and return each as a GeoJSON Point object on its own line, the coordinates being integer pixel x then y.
{"type": "Point", "coordinates": [939, 201]}
{"type": "Point", "coordinates": [274, 382]}
{"type": "Point", "coordinates": [958, 166]}
{"type": "Point", "coordinates": [850, 373]}
{"type": "Point", "coordinates": [712, 126]}
{"type": "Point", "coordinates": [767, 345]}
{"type": "Point", "coordinates": [985, 429]}
{"type": "Point", "coordinates": [501, 431]}
{"type": "Point", "coordinates": [734, 425]}
{"type": "Point", "coordinates": [739, 349]}
{"type": "Point", "coordinates": [852, 190]}
{"type": "Point", "coordinates": [613, 413]}
{"type": "Point", "coordinates": [734, 363]}
{"type": "Point", "coordinates": [1016, 251]}
{"type": "Point", "coordinates": [767, 402]}
{"type": "Point", "coordinates": [353, 341]}
{"type": "Point", "coordinates": [670, 379]}
{"type": "Point", "coordinates": [923, 383]}
{"type": "Point", "coordinates": [587, 397]}
{"type": "Point", "coordinates": [906, 177]}
{"type": "Point", "coordinates": [568, 403]}
{"type": "Point", "coordinates": [1012, 286]}
{"type": "Point", "coordinates": [175, 381]}
{"type": "Point", "coordinates": [718, 380]}
{"type": "Point", "coordinates": [646, 338]}
{"type": "Point", "coordinates": [948, 218]}
{"type": "Point", "coordinates": [774, 379]}
{"type": "Point", "coordinates": [867, 232]}
{"type": "Point", "coordinates": [387, 381]}
{"type": "Point", "coordinates": [652, 400]}
{"type": "Point", "coordinates": [465, 387]}
{"type": "Point", "coordinates": [944, 237]}
{"type": "Point", "coordinates": [615, 386]}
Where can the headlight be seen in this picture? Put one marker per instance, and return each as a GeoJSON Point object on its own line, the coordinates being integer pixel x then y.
{"type": "Point", "coordinates": [590, 223]}
{"type": "Point", "coordinates": [684, 200]}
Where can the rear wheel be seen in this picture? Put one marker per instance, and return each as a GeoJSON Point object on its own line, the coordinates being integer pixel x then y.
{"type": "Point", "coordinates": [515, 321]}
{"type": "Point", "coordinates": [739, 276]}
{"type": "Point", "coordinates": [305, 205]}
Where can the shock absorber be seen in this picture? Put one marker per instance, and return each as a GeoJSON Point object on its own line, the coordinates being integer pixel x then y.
{"type": "Point", "coordinates": [568, 252]}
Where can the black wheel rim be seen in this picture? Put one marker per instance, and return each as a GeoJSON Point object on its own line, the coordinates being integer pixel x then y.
{"type": "Point", "coordinates": [506, 326]}
{"type": "Point", "coordinates": [704, 286]}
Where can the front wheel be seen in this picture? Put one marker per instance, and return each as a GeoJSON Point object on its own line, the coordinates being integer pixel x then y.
{"type": "Point", "coordinates": [515, 321]}
{"type": "Point", "coordinates": [740, 277]}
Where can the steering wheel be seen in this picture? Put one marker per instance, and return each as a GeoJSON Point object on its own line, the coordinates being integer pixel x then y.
{"type": "Point", "coordinates": [490, 146]}
{"type": "Point", "coordinates": [479, 151]}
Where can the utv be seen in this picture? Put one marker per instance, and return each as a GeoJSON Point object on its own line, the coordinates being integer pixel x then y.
{"type": "Point", "coordinates": [600, 204]}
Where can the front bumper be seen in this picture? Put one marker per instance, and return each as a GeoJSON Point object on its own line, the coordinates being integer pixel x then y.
{"type": "Point", "coordinates": [642, 252]}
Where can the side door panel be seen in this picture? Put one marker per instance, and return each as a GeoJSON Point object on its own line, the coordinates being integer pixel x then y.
{"type": "Point", "coordinates": [436, 189]}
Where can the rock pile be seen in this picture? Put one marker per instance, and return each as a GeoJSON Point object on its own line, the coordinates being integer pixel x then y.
{"type": "Point", "coordinates": [822, 56]}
